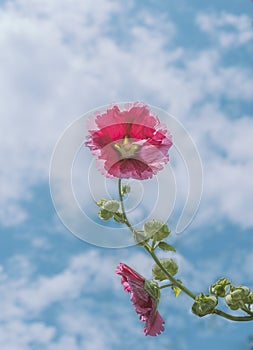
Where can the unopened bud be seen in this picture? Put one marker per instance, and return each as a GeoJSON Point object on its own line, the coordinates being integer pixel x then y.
{"type": "Point", "coordinates": [219, 288]}
{"type": "Point", "coordinates": [105, 214]}
{"type": "Point", "coordinates": [111, 205]}
{"type": "Point", "coordinates": [204, 305]}
{"type": "Point", "coordinates": [125, 189]}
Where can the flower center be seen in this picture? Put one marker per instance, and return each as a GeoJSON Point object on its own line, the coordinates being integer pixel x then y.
{"type": "Point", "coordinates": [126, 148]}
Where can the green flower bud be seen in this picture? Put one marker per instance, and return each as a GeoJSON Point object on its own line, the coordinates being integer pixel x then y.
{"type": "Point", "coordinates": [204, 305]}
{"type": "Point", "coordinates": [169, 265]}
{"type": "Point", "coordinates": [237, 297]}
{"type": "Point", "coordinates": [219, 288]}
{"type": "Point", "coordinates": [249, 298]}
{"type": "Point", "coordinates": [233, 305]}
{"type": "Point", "coordinates": [239, 293]}
{"type": "Point", "coordinates": [105, 214]}
{"type": "Point", "coordinates": [126, 189]}
{"type": "Point", "coordinates": [111, 205]}
{"type": "Point", "coordinates": [152, 288]}
{"type": "Point", "coordinates": [156, 230]}
{"type": "Point", "coordinates": [101, 202]}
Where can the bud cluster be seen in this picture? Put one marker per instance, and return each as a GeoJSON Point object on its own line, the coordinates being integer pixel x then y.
{"type": "Point", "coordinates": [109, 209]}
{"type": "Point", "coordinates": [236, 297]}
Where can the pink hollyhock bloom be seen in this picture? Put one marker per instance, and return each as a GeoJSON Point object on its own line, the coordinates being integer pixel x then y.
{"type": "Point", "coordinates": [128, 143]}
{"type": "Point", "coordinates": [145, 305]}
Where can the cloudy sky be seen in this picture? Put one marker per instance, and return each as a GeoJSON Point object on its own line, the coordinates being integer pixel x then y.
{"type": "Point", "coordinates": [60, 59]}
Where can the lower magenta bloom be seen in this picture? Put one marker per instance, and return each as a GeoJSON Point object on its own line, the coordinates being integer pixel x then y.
{"type": "Point", "coordinates": [128, 143]}
{"type": "Point", "coordinates": [145, 305]}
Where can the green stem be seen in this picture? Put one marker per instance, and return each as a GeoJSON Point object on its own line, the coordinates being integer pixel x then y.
{"type": "Point", "coordinates": [170, 277]}
{"type": "Point", "coordinates": [166, 285]}
{"type": "Point", "coordinates": [247, 311]}
{"type": "Point", "coordinates": [231, 317]}
{"type": "Point", "coordinates": [121, 198]}
{"type": "Point", "coordinates": [150, 250]}
{"type": "Point", "coordinates": [123, 209]}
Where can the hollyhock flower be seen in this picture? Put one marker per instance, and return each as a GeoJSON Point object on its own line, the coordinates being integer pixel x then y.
{"type": "Point", "coordinates": [128, 143]}
{"type": "Point", "coordinates": [145, 305]}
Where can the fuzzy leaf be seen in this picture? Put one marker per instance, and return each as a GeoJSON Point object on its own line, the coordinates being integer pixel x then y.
{"type": "Point", "coordinates": [166, 246]}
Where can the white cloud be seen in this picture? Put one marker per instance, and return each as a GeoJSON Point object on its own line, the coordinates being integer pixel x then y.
{"type": "Point", "coordinates": [26, 296]}
{"type": "Point", "coordinates": [230, 30]}
{"type": "Point", "coordinates": [17, 335]}
{"type": "Point", "coordinates": [84, 301]}
{"type": "Point", "coordinates": [226, 145]}
{"type": "Point", "coordinates": [60, 59]}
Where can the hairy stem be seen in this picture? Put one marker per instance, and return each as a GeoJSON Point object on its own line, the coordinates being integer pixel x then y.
{"type": "Point", "coordinates": [170, 277]}
{"type": "Point", "coordinates": [231, 317]}
{"type": "Point", "coordinates": [150, 250]}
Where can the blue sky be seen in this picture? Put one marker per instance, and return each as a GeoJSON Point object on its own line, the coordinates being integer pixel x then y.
{"type": "Point", "coordinates": [60, 59]}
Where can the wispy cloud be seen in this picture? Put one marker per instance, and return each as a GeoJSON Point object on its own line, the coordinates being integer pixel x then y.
{"type": "Point", "coordinates": [56, 57]}
{"type": "Point", "coordinates": [228, 29]}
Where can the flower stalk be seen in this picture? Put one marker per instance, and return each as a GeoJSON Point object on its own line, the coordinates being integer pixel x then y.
{"type": "Point", "coordinates": [175, 282]}
{"type": "Point", "coordinates": [132, 143]}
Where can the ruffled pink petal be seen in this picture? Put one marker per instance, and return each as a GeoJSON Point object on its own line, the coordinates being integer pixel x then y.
{"type": "Point", "coordinates": [156, 327]}
{"type": "Point", "coordinates": [135, 124]}
{"type": "Point", "coordinates": [123, 269]}
{"type": "Point", "coordinates": [129, 168]}
{"type": "Point", "coordinates": [143, 303]}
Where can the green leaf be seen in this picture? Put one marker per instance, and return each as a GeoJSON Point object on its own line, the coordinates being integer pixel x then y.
{"type": "Point", "coordinates": [152, 288]}
{"type": "Point", "coordinates": [104, 214]}
{"type": "Point", "coordinates": [169, 265]}
{"type": "Point", "coordinates": [111, 205]}
{"type": "Point", "coordinates": [140, 237]}
{"type": "Point", "coordinates": [156, 230]}
{"type": "Point", "coordinates": [166, 246]}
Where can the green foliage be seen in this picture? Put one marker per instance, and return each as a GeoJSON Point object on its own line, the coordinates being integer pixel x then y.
{"type": "Point", "coordinates": [219, 288]}
{"type": "Point", "coordinates": [104, 214]}
{"type": "Point", "coordinates": [140, 237]}
{"type": "Point", "coordinates": [166, 246]}
{"type": "Point", "coordinates": [156, 230]}
{"type": "Point", "coordinates": [125, 189]}
{"type": "Point", "coordinates": [111, 205]}
{"type": "Point", "coordinates": [109, 209]}
{"type": "Point", "coordinates": [152, 288]}
{"type": "Point", "coordinates": [169, 265]}
{"type": "Point", "coordinates": [204, 304]}
{"type": "Point", "coordinates": [119, 217]}
{"type": "Point", "coordinates": [238, 297]}
{"type": "Point", "coordinates": [101, 202]}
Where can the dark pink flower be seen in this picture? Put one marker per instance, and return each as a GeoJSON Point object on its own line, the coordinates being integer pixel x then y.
{"type": "Point", "coordinates": [129, 142]}
{"type": "Point", "coordinates": [145, 305]}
